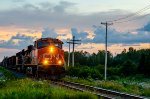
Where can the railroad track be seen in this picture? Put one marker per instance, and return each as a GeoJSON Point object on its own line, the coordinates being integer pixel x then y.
{"type": "Point", "coordinates": [100, 92]}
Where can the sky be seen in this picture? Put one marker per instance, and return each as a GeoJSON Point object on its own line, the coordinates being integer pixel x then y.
{"type": "Point", "coordinates": [23, 21]}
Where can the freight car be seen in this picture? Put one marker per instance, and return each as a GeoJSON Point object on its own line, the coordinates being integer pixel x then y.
{"type": "Point", "coordinates": [43, 59]}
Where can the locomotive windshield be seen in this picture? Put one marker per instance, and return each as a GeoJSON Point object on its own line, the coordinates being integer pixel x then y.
{"type": "Point", "coordinates": [42, 44]}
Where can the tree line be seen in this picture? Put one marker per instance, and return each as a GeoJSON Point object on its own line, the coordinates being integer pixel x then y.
{"type": "Point", "coordinates": [128, 63]}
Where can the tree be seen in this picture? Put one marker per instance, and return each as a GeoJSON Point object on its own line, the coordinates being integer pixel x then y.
{"type": "Point", "coordinates": [144, 64]}
{"type": "Point", "coordinates": [131, 49]}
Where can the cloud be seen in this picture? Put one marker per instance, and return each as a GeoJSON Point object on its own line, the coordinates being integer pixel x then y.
{"type": "Point", "coordinates": [80, 35]}
{"type": "Point", "coordinates": [146, 27]}
{"type": "Point", "coordinates": [18, 1]}
{"type": "Point", "coordinates": [49, 33]}
{"type": "Point", "coordinates": [46, 14]}
{"type": "Point", "coordinates": [46, 5]}
{"type": "Point", "coordinates": [63, 5]}
{"type": "Point", "coordinates": [120, 37]}
{"type": "Point", "coordinates": [114, 37]}
{"type": "Point", "coordinates": [17, 42]}
{"type": "Point", "coordinates": [30, 7]}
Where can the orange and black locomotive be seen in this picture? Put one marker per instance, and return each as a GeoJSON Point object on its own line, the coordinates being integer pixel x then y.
{"type": "Point", "coordinates": [44, 58]}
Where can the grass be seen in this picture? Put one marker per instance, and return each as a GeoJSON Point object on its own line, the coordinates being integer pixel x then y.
{"type": "Point", "coordinates": [28, 89]}
{"type": "Point", "coordinates": [122, 85]}
{"type": "Point", "coordinates": [14, 88]}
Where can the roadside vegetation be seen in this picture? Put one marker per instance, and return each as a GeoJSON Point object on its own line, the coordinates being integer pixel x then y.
{"type": "Point", "coordinates": [128, 63]}
{"type": "Point", "coordinates": [29, 89]}
{"type": "Point", "coordinates": [14, 88]}
{"type": "Point", "coordinates": [126, 72]}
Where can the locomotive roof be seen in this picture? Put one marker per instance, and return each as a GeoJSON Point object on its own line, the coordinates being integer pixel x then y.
{"type": "Point", "coordinates": [53, 40]}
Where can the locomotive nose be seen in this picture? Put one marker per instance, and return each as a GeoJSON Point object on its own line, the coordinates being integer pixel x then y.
{"type": "Point", "coordinates": [53, 57]}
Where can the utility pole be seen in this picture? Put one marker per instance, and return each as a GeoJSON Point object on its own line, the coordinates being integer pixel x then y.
{"type": "Point", "coordinates": [106, 24]}
{"type": "Point", "coordinates": [69, 53]}
{"type": "Point", "coordinates": [73, 42]}
{"type": "Point", "coordinates": [73, 39]}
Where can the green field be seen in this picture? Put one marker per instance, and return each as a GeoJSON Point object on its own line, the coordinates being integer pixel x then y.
{"type": "Point", "coordinates": [128, 85]}
{"type": "Point", "coordinates": [13, 88]}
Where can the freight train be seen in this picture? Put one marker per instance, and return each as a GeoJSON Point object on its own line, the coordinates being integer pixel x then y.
{"type": "Point", "coordinates": [43, 59]}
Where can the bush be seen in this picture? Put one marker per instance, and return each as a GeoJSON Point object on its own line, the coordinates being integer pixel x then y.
{"type": "Point", "coordinates": [113, 77]}
{"type": "Point", "coordinates": [100, 68]}
{"type": "Point", "coordinates": [73, 71]}
{"type": "Point", "coordinates": [128, 68]}
{"type": "Point", "coordinates": [84, 72]}
{"type": "Point", "coordinates": [113, 71]}
{"type": "Point", "coordinates": [95, 74]}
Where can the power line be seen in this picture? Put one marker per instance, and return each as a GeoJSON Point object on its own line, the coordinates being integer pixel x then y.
{"type": "Point", "coordinates": [138, 12]}
{"type": "Point", "coordinates": [131, 15]}
{"type": "Point", "coordinates": [133, 19]}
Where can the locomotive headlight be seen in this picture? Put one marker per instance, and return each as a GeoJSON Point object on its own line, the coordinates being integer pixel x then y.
{"type": "Point", "coordinates": [45, 62]}
{"type": "Point", "coordinates": [59, 62]}
{"type": "Point", "coordinates": [51, 49]}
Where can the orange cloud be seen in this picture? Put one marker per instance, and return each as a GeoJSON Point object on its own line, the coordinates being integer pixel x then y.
{"type": "Point", "coordinates": [7, 32]}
